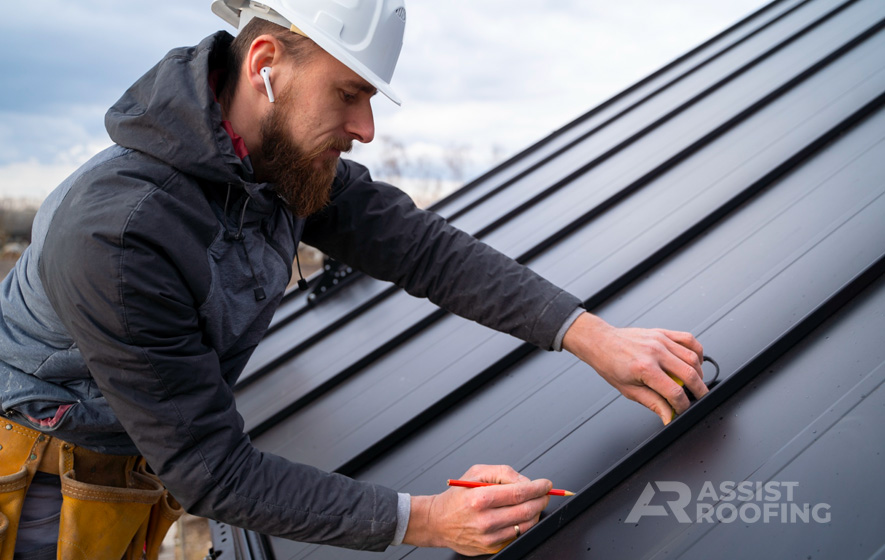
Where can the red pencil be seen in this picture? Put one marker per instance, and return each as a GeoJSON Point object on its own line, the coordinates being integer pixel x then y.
{"type": "Point", "coordinates": [471, 484]}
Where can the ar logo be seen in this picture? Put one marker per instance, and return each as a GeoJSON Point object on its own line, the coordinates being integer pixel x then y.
{"type": "Point", "coordinates": [643, 505]}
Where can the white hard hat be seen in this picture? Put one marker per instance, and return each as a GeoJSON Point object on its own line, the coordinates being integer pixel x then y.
{"type": "Point", "coordinates": [365, 35]}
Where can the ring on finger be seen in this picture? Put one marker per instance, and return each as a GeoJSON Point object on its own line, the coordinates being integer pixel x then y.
{"type": "Point", "coordinates": [518, 532]}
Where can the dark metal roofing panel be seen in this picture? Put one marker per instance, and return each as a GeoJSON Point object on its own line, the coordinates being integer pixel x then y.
{"type": "Point", "coordinates": [815, 417]}
{"type": "Point", "coordinates": [791, 121]}
{"type": "Point", "coordinates": [828, 93]}
{"type": "Point", "coordinates": [585, 427]}
{"type": "Point", "coordinates": [736, 194]}
{"type": "Point", "coordinates": [235, 544]}
{"type": "Point", "coordinates": [651, 94]}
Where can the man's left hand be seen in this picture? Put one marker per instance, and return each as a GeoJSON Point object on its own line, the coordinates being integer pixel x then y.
{"type": "Point", "coordinates": [640, 362]}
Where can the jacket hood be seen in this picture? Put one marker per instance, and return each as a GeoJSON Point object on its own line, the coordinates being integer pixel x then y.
{"type": "Point", "coordinates": [171, 113]}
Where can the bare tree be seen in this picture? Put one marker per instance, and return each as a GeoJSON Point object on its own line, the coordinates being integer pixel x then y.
{"type": "Point", "coordinates": [457, 159]}
{"type": "Point", "coordinates": [395, 158]}
{"type": "Point", "coordinates": [16, 218]}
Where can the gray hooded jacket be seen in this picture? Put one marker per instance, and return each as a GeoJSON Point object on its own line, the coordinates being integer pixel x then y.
{"type": "Point", "coordinates": [128, 320]}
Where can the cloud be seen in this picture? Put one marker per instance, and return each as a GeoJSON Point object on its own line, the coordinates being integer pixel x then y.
{"type": "Point", "coordinates": [89, 51]}
{"type": "Point", "coordinates": [500, 73]}
{"type": "Point", "coordinates": [34, 180]}
{"type": "Point", "coordinates": [51, 135]}
{"type": "Point", "coordinates": [496, 73]}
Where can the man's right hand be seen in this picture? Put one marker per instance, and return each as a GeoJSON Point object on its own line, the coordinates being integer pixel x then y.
{"type": "Point", "coordinates": [473, 521]}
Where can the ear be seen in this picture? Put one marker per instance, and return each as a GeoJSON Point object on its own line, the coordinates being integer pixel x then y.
{"type": "Point", "coordinates": [265, 52]}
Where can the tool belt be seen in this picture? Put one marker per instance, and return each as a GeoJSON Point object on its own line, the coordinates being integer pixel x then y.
{"type": "Point", "coordinates": [112, 507]}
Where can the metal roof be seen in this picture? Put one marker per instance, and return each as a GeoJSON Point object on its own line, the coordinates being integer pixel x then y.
{"type": "Point", "coordinates": [737, 194]}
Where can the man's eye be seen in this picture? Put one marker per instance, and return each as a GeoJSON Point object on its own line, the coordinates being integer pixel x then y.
{"type": "Point", "coordinates": [348, 97]}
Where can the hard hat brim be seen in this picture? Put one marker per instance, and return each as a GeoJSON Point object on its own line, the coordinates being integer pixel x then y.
{"type": "Point", "coordinates": [346, 58]}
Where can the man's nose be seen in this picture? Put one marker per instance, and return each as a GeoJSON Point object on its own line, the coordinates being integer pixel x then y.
{"type": "Point", "coordinates": [361, 124]}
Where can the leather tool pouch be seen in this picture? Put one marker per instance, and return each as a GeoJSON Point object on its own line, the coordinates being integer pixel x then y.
{"type": "Point", "coordinates": [21, 451]}
{"type": "Point", "coordinates": [164, 513]}
{"type": "Point", "coordinates": [105, 504]}
{"type": "Point", "coordinates": [112, 506]}
{"type": "Point", "coordinates": [12, 496]}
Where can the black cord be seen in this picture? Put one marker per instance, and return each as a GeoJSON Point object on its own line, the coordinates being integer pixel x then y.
{"type": "Point", "coordinates": [716, 365]}
{"type": "Point", "coordinates": [302, 283]}
{"type": "Point", "coordinates": [709, 384]}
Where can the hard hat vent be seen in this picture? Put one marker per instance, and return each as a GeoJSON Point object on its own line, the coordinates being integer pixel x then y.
{"type": "Point", "coordinates": [401, 12]}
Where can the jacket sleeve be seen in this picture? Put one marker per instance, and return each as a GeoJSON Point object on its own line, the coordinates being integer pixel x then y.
{"type": "Point", "coordinates": [121, 288]}
{"type": "Point", "coordinates": [377, 229]}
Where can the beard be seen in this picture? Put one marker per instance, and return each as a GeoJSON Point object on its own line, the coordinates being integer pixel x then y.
{"type": "Point", "coordinates": [301, 178]}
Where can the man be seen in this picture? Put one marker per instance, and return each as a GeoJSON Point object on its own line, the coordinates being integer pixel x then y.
{"type": "Point", "coordinates": [155, 270]}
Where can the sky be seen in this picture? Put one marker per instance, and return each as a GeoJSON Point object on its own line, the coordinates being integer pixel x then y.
{"type": "Point", "coordinates": [487, 78]}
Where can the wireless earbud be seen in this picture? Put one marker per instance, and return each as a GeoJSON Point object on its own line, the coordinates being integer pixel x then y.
{"type": "Point", "coordinates": [265, 73]}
